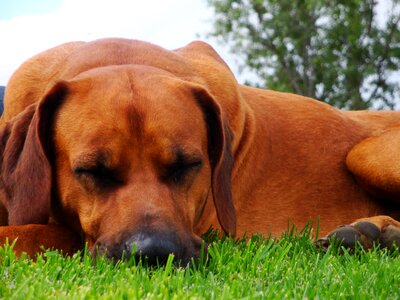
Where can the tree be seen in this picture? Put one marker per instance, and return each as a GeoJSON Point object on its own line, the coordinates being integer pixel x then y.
{"type": "Point", "coordinates": [337, 51]}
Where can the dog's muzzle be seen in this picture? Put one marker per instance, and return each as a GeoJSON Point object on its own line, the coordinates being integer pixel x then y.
{"type": "Point", "coordinates": [153, 248]}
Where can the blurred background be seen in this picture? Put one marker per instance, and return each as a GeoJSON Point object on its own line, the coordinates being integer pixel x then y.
{"type": "Point", "coordinates": [346, 53]}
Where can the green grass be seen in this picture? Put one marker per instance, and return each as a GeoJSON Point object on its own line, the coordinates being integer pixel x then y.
{"type": "Point", "coordinates": [290, 268]}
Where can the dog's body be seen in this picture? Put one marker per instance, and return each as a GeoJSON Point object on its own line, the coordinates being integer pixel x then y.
{"type": "Point", "coordinates": [142, 144]}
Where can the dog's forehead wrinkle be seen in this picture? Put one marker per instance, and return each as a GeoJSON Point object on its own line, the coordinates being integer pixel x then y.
{"type": "Point", "coordinates": [136, 119]}
{"type": "Point", "coordinates": [133, 107]}
{"type": "Point", "coordinates": [155, 112]}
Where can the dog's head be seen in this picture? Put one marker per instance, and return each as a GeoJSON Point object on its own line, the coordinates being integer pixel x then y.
{"type": "Point", "coordinates": [129, 155]}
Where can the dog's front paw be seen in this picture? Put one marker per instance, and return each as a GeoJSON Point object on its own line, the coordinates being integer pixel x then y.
{"type": "Point", "coordinates": [365, 233]}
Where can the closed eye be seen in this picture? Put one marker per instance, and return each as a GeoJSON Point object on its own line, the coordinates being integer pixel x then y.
{"type": "Point", "coordinates": [180, 170]}
{"type": "Point", "coordinates": [93, 171]}
{"type": "Point", "coordinates": [98, 175]}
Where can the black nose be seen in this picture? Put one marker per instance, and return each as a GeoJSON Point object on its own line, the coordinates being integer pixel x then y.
{"type": "Point", "coordinates": [153, 247]}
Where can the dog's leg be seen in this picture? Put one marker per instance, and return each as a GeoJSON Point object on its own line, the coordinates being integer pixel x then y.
{"type": "Point", "coordinates": [33, 239]}
{"type": "Point", "coordinates": [378, 230]}
{"type": "Point", "coordinates": [375, 162]}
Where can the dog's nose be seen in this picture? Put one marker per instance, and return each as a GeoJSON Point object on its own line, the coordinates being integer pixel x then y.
{"type": "Point", "coordinates": [153, 247]}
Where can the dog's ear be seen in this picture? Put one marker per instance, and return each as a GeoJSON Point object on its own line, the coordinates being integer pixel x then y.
{"type": "Point", "coordinates": [25, 171]}
{"type": "Point", "coordinates": [221, 158]}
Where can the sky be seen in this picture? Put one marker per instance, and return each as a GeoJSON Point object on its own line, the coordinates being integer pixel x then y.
{"type": "Point", "coordinates": [28, 27]}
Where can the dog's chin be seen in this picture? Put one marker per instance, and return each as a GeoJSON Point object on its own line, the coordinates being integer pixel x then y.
{"type": "Point", "coordinates": [152, 249]}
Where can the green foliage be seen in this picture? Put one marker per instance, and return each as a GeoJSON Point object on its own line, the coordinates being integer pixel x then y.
{"type": "Point", "coordinates": [335, 51]}
{"type": "Point", "coordinates": [288, 268]}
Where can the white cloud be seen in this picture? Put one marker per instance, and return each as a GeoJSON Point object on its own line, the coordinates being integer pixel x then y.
{"type": "Point", "coordinates": [170, 24]}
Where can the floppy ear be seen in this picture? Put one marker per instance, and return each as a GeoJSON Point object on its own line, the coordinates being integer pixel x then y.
{"type": "Point", "coordinates": [25, 171]}
{"type": "Point", "coordinates": [221, 158]}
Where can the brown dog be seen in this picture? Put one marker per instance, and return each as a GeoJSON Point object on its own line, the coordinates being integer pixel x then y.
{"type": "Point", "coordinates": [132, 145]}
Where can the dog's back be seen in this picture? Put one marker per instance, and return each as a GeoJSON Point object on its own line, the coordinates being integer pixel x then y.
{"type": "Point", "coordinates": [31, 80]}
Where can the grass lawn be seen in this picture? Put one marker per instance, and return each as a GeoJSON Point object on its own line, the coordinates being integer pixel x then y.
{"type": "Point", "coordinates": [290, 268]}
